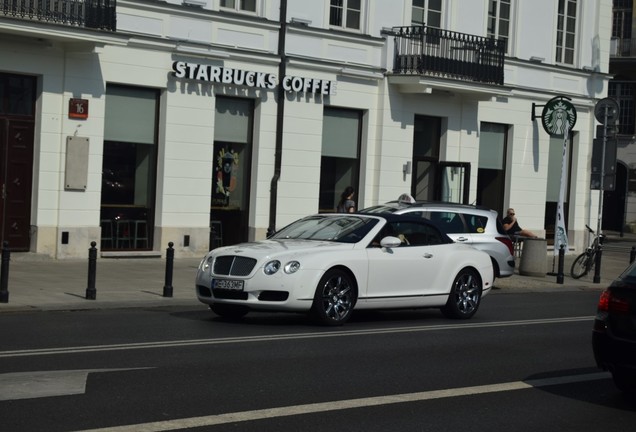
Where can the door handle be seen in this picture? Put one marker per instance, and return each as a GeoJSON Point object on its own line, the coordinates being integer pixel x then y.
{"type": "Point", "coordinates": [428, 255]}
{"type": "Point", "coordinates": [462, 239]}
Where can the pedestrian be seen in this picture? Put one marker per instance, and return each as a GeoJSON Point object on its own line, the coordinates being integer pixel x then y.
{"type": "Point", "coordinates": [346, 203]}
{"type": "Point", "coordinates": [511, 226]}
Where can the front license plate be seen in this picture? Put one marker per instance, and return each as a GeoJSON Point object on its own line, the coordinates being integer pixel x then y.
{"type": "Point", "coordinates": [228, 284]}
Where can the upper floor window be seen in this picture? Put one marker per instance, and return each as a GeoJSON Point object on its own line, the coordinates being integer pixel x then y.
{"type": "Point", "coordinates": [624, 93]}
{"type": "Point", "coordinates": [499, 20]}
{"type": "Point", "coordinates": [427, 12]}
{"type": "Point", "coordinates": [240, 5]}
{"type": "Point", "coordinates": [566, 31]}
{"type": "Point", "coordinates": [345, 14]}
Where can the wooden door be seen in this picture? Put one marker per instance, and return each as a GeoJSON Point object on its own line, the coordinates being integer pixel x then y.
{"type": "Point", "coordinates": [16, 173]}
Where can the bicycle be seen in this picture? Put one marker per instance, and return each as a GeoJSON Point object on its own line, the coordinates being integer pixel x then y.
{"type": "Point", "coordinates": [585, 262]}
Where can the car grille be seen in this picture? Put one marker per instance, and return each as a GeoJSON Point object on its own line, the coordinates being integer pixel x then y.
{"type": "Point", "coordinates": [233, 265]}
{"type": "Point", "coordinates": [229, 294]}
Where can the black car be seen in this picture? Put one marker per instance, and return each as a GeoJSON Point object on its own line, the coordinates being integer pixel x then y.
{"type": "Point", "coordinates": [614, 334]}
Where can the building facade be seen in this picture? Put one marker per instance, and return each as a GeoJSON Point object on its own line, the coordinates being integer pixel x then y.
{"type": "Point", "coordinates": [209, 122]}
{"type": "Point", "coordinates": [620, 212]}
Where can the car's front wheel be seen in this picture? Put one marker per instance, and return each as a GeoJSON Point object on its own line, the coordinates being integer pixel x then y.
{"type": "Point", "coordinates": [465, 295]}
{"type": "Point", "coordinates": [229, 311]}
{"type": "Point", "coordinates": [335, 297]}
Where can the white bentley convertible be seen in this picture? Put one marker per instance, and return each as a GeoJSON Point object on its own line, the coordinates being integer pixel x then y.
{"type": "Point", "coordinates": [330, 264]}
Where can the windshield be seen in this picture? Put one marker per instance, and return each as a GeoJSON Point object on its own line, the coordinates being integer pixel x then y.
{"type": "Point", "coordinates": [382, 209]}
{"type": "Point", "coordinates": [343, 229]}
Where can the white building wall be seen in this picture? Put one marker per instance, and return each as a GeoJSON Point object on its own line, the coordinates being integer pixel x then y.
{"type": "Point", "coordinates": [148, 40]}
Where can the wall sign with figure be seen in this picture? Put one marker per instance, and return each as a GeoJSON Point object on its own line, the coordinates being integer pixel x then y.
{"type": "Point", "coordinates": [225, 174]}
{"type": "Point", "coordinates": [558, 116]}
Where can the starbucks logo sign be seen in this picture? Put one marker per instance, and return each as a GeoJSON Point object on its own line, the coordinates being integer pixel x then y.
{"type": "Point", "coordinates": [558, 115]}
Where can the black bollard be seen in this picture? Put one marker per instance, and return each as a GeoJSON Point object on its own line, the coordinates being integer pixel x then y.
{"type": "Point", "coordinates": [4, 273]}
{"type": "Point", "coordinates": [632, 254]}
{"type": "Point", "coordinates": [91, 292]}
{"type": "Point", "coordinates": [167, 288]}
{"type": "Point", "coordinates": [561, 259]}
{"type": "Point", "coordinates": [597, 264]}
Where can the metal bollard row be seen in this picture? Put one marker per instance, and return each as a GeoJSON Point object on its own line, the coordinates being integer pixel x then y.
{"type": "Point", "coordinates": [91, 290]}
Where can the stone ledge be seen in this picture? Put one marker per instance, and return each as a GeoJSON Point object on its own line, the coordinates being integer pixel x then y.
{"type": "Point", "coordinates": [131, 254]}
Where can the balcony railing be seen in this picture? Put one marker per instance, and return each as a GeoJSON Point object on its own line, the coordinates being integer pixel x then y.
{"type": "Point", "coordinates": [97, 14]}
{"type": "Point", "coordinates": [623, 47]}
{"type": "Point", "coordinates": [446, 54]}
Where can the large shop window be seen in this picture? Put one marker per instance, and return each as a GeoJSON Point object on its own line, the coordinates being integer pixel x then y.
{"type": "Point", "coordinates": [129, 168]}
{"type": "Point", "coordinates": [491, 173]}
{"type": "Point", "coordinates": [231, 165]}
{"type": "Point", "coordinates": [340, 161]}
{"type": "Point", "coordinates": [426, 138]}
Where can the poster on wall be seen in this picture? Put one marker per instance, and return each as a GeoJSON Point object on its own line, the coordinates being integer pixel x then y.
{"type": "Point", "coordinates": [226, 164]}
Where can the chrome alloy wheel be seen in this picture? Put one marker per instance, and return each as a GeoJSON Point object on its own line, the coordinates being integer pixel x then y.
{"type": "Point", "coordinates": [335, 298]}
{"type": "Point", "coordinates": [465, 295]}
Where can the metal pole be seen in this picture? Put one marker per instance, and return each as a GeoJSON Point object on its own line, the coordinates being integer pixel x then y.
{"type": "Point", "coordinates": [91, 292]}
{"type": "Point", "coordinates": [4, 273]}
{"type": "Point", "coordinates": [167, 288]}
{"type": "Point", "coordinates": [559, 279]}
{"type": "Point", "coordinates": [599, 223]}
{"type": "Point", "coordinates": [597, 264]}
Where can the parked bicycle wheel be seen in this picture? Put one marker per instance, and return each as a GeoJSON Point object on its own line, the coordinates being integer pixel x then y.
{"type": "Point", "coordinates": [581, 265]}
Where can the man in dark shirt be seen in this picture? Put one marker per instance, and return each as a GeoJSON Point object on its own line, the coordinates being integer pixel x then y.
{"type": "Point", "coordinates": [512, 227]}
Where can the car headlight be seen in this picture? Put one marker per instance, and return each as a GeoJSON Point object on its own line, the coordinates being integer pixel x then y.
{"type": "Point", "coordinates": [271, 267]}
{"type": "Point", "coordinates": [206, 263]}
{"type": "Point", "coordinates": [292, 267]}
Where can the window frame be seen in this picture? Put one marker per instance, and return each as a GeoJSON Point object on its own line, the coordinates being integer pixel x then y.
{"type": "Point", "coordinates": [237, 7]}
{"type": "Point", "coordinates": [426, 12]}
{"type": "Point", "coordinates": [561, 47]}
{"type": "Point", "coordinates": [496, 32]}
{"type": "Point", "coordinates": [343, 20]}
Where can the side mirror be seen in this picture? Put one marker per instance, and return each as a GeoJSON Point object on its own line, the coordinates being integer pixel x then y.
{"type": "Point", "coordinates": [390, 242]}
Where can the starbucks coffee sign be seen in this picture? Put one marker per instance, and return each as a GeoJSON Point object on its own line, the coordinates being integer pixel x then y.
{"type": "Point", "coordinates": [223, 75]}
{"type": "Point", "coordinates": [558, 116]}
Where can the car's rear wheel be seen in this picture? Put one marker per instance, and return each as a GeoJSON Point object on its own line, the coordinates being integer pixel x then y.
{"type": "Point", "coordinates": [465, 295]}
{"type": "Point", "coordinates": [625, 379]}
{"type": "Point", "coordinates": [335, 297]}
{"type": "Point", "coordinates": [229, 311]}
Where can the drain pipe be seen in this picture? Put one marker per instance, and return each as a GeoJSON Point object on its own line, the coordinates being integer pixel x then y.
{"type": "Point", "coordinates": [280, 114]}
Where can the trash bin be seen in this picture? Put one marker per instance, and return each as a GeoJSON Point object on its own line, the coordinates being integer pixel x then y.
{"type": "Point", "coordinates": [534, 257]}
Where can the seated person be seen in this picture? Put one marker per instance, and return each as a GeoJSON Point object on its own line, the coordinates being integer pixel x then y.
{"type": "Point", "coordinates": [512, 227]}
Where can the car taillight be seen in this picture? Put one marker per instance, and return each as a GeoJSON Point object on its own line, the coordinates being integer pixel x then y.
{"type": "Point", "coordinates": [507, 242]}
{"type": "Point", "coordinates": [610, 303]}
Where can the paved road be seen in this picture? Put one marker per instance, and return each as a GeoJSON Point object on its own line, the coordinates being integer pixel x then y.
{"type": "Point", "coordinates": [523, 363]}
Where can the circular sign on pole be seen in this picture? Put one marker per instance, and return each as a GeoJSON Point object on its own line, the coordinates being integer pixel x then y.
{"type": "Point", "coordinates": [558, 114]}
{"type": "Point", "coordinates": [606, 106]}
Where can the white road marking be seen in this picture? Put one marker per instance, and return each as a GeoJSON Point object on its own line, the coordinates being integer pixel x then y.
{"type": "Point", "coordinates": [241, 416]}
{"type": "Point", "coordinates": [37, 384]}
{"type": "Point", "coordinates": [292, 336]}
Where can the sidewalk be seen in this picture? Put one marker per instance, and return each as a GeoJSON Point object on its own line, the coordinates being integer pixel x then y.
{"type": "Point", "coordinates": [615, 259]}
{"type": "Point", "coordinates": [42, 283]}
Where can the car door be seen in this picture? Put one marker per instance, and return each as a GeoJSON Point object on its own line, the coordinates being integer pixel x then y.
{"type": "Point", "coordinates": [453, 224]}
{"type": "Point", "coordinates": [408, 274]}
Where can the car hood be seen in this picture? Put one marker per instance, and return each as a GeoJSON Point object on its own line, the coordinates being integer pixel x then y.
{"type": "Point", "coordinates": [280, 246]}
